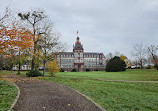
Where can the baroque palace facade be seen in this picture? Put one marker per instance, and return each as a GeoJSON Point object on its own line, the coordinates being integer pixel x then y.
{"type": "Point", "coordinates": [80, 60]}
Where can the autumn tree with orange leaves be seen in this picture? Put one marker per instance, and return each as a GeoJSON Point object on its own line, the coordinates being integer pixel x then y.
{"type": "Point", "coordinates": [14, 40]}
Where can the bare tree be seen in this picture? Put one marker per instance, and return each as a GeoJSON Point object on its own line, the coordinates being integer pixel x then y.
{"type": "Point", "coordinates": [109, 56]}
{"type": "Point", "coordinates": [140, 54]}
{"type": "Point", "coordinates": [6, 14]}
{"type": "Point", "coordinates": [152, 51]}
{"type": "Point", "coordinates": [34, 19]}
{"type": "Point", "coordinates": [117, 53]}
{"type": "Point", "coordinates": [49, 43]}
{"type": "Point", "coordinates": [46, 39]}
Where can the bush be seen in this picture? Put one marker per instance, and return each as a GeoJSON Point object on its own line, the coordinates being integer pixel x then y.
{"type": "Point", "coordinates": [74, 70]}
{"type": "Point", "coordinates": [62, 70]}
{"type": "Point", "coordinates": [33, 73]}
{"type": "Point", "coordinates": [18, 73]}
{"type": "Point", "coordinates": [52, 67]}
{"type": "Point", "coordinates": [156, 66]}
{"type": "Point", "coordinates": [149, 67]}
{"type": "Point", "coordinates": [129, 67]}
{"type": "Point", "coordinates": [87, 70]}
{"type": "Point", "coordinates": [115, 64]}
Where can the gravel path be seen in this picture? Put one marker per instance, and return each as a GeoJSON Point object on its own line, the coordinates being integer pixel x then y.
{"type": "Point", "coordinates": [38, 95]}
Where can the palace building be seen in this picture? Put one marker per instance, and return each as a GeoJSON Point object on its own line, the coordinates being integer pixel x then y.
{"type": "Point", "coordinates": [80, 60]}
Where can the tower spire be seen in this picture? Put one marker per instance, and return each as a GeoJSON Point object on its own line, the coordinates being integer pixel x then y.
{"type": "Point", "coordinates": [77, 33]}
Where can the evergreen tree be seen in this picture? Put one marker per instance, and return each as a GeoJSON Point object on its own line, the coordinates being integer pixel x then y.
{"type": "Point", "coordinates": [115, 64]}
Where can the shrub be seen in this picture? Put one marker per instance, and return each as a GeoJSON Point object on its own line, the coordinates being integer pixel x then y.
{"type": "Point", "coordinates": [62, 70]}
{"type": "Point", "coordinates": [18, 73]}
{"type": "Point", "coordinates": [149, 67]}
{"type": "Point", "coordinates": [115, 64]}
{"type": "Point", "coordinates": [87, 70]}
{"type": "Point", "coordinates": [33, 73]}
{"type": "Point", "coordinates": [74, 70]}
{"type": "Point", "coordinates": [156, 66]}
{"type": "Point", "coordinates": [52, 67]}
{"type": "Point", "coordinates": [129, 67]}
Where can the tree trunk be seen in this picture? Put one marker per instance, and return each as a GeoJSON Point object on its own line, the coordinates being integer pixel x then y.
{"type": "Point", "coordinates": [19, 67]}
{"type": "Point", "coordinates": [34, 50]}
{"type": "Point", "coordinates": [44, 67]}
{"type": "Point", "coordinates": [44, 62]}
{"type": "Point", "coordinates": [19, 63]}
{"type": "Point", "coordinates": [32, 65]}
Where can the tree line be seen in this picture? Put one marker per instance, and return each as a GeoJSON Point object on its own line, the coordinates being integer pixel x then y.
{"type": "Point", "coordinates": [142, 56]}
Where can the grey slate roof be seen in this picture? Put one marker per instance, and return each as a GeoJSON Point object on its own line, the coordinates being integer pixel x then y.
{"type": "Point", "coordinates": [65, 53]}
{"type": "Point", "coordinates": [85, 53]}
{"type": "Point", "coordinates": [78, 46]}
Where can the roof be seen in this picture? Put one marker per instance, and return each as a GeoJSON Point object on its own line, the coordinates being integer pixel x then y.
{"type": "Point", "coordinates": [65, 53]}
{"type": "Point", "coordinates": [78, 46]}
{"type": "Point", "coordinates": [93, 53]}
{"type": "Point", "coordinates": [85, 53]}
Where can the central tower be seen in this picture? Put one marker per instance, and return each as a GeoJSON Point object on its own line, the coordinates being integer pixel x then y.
{"type": "Point", "coordinates": [78, 55]}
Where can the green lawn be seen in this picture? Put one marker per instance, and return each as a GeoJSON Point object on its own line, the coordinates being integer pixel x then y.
{"type": "Point", "coordinates": [8, 92]}
{"type": "Point", "coordinates": [114, 96]}
{"type": "Point", "coordinates": [135, 74]}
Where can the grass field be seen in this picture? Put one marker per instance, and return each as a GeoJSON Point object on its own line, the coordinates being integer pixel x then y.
{"type": "Point", "coordinates": [8, 92]}
{"type": "Point", "coordinates": [135, 75]}
{"type": "Point", "coordinates": [114, 96]}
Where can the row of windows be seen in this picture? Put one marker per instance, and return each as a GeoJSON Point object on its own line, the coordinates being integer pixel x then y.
{"type": "Point", "coordinates": [79, 51]}
{"type": "Point", "coordinates": [88, 66]}
{"type": "Point", "coordinates": [24, 66]}
{"type": "Point", "coordinates": [65, 55]}
{"type": "Point", "coordinates": [72, 60]}
{"type": "Point", "coordinates": [67, 66]}
{"type": "Point", "coordinates": [73, 56]}
{"type": "Point", "coordinates": [66, 60]}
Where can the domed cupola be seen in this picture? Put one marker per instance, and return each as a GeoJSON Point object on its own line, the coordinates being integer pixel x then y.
{"type": "Point", "coordinates": [78, 45]}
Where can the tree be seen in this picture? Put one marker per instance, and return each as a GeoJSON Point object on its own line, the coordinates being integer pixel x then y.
{"type": "Point", "coordinates": [5, 15]}
{"type": "Point", "coordinates": [23, 44]}
{"type": "Point", "coordinates": [52, 67]}
{"type": "Point", "coordinates": [152, 51]}
{"type": "Point", "coordinates": [126, 60]}
{"type": "Point", "coordinates": [109, 56]}
{"type": "Point", "coordinates": [115, 64]}
{"type": "Point", "coordinates": [14, 40]}
{"type": "Point", "coordinates": [34, 19]}
{"type": "Point", "coordinates": [49, 43]}
{"type": "Point", "coordinates": [123, 57]}
{"type": "Point", "coordinates": [140, 54]}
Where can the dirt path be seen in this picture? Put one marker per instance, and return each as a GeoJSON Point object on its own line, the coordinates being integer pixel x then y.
{"type": "Point", "coordinates": [38, 95]}
{"type": "Point", "coordinates": [126, 81]}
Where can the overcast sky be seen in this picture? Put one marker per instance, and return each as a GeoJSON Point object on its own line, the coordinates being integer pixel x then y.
{"type": "Point", "coordinates": [103, 25]}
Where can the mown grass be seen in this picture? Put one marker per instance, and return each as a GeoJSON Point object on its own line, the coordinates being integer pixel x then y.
{"type": "Point", "coordinates": [135, 75]}
{"type": "Point", "coordinates": [114, 96]}
{"type": "Point", "coordinates": [8, 92]}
